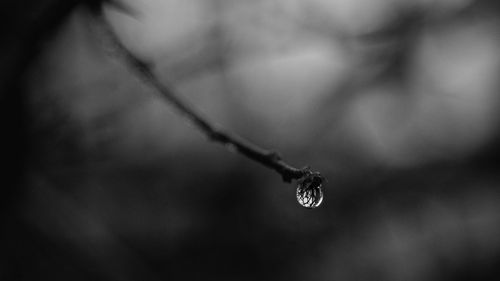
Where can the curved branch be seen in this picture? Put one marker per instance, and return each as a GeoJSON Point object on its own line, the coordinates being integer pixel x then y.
{"type": "Point", "coordinates": [144, 70]}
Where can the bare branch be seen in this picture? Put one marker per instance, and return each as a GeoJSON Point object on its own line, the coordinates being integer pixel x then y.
{"type": "Point", "coordinates": [144, 70]}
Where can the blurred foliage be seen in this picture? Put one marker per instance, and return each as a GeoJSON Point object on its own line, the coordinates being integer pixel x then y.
{"type": "Point", "coordinates": [395, 101]}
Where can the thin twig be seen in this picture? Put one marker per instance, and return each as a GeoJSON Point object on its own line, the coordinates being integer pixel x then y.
{"type": "Point", "coordinates": [143, 69]}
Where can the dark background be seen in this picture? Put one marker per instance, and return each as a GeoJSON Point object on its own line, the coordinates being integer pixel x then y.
{"type": "Point", "coordinates": [395, 102]}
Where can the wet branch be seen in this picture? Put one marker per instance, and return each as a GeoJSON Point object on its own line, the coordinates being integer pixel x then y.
{"type": "Point", "coordinates": [144, 70]}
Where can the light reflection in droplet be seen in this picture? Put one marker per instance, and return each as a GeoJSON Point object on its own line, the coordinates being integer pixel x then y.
{"type": "Point", "coordinates": [309, 192]}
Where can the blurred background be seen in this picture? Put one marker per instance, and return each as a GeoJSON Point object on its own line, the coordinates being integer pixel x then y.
{"type": "Point", "coordinates": [394, 101]}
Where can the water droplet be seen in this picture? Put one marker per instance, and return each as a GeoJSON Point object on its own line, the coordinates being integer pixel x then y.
{"type": "Point", "coordinates": [309, 192]}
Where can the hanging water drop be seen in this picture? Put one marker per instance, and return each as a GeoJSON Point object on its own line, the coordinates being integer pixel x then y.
{"type": "Point", "coordinates": [309, 192]}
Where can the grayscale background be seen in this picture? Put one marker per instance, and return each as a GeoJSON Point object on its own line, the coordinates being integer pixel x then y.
{"type": "Point", "coordinates": [396, 102]}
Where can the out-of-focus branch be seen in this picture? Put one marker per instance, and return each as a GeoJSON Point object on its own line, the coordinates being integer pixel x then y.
{"type": "Point", "coordinates": [144, 70]}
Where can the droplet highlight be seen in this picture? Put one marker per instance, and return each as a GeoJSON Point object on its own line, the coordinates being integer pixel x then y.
{"type": "Point", "coordinates": [309, 192]}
